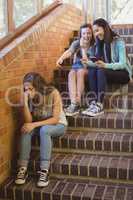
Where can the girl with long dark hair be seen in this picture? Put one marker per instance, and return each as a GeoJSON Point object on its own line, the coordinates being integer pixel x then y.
{"type": "Point", "coordinates": [43, 115]}
{"type": "Point", "coordinates": [111, 65]}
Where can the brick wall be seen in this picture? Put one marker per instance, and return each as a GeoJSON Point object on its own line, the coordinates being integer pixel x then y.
{"type": "Point", "coordinates": [36, 50]}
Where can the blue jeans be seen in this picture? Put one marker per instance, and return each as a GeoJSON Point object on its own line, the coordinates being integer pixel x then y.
{"type": "Point", "coordinates": [46, 132]}
{"type": "Point", "coordinates": [97, 83]}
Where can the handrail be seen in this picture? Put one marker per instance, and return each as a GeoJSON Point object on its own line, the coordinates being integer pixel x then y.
{"type": "Point", "coordinates": [7, 39]}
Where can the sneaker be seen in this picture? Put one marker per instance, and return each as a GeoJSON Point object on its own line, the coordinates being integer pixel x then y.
{"type": "Point", "coordinates": [72, 110]}
{"type": "Point", "coordinates": [95, 110]}
{"type": "Point", "coordinates": [21, 176]}
{"type": "Point", "coordinates": [92, 104]}
{"type": "Point", "coordinates": [43, 178]}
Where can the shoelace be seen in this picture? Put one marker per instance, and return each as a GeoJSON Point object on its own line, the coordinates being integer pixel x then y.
{"type": "Point", "coordinates": [21, 174]}
{"type": "Point", "coordinates": [95, 108]}
{"type": "Point", "coordinates": [71, 108]}
{"type": "Point", "coordinates": [43, 175]}
{"type": "Point", "coordinates": [92, 105]}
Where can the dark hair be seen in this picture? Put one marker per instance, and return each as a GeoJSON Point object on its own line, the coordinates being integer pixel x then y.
{"type": "Point", "coordinates": [109, 34]}
{"type": "Point", "coordinates": [90, 27]}
{"type": "Point", "coordinates": [38, 83]}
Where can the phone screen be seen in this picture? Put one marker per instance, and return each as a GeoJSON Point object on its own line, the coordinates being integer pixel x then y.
{"type": "Point", "coordinates": [94, 59]}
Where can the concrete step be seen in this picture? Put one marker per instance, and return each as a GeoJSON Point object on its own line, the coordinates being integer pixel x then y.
{"type": "Point", "coordinates": [88, 142]}
{"type": "Point", "coordinates": [115, 168]}
{"type": "Point", "coordinates": [108, 120]}
{"type": "Point", "coordinates": [124, 30]}
{"type": "Point", "coordinates": [67, 189]}
{"type": "Point", "coordinates": [115, 103]}
{"type": "Point", "coordinates": [110, 89]}
{"type": "Point", "coordinates": [127, 38]}
{"type": "Point", "coordinates": [61, 82]}
{"type": "Point", "coordinates": [5, 199]}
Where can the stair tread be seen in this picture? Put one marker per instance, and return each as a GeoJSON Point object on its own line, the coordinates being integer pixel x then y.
{"type": "Point", "coordinates": [110, 102]}
{"type": "Point", "coordinates": [69, 188]}
{"type": "Point", "coordinates": [62, 75]}
{"type": "Point", "coordinates": [79, 165]}
{"type": "Point", "coordinates": [110, 119]}
{"type": "Point", "coordinates": [92, 141]}
{"type": "Point", "coordinates": [60, 156]}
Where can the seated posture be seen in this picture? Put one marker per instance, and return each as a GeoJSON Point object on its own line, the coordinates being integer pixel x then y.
{"type": "Point", "coordinates": [79, 49]}
{"type": "Point", "coordinates": [43, 115]}
{"type": "Point", "coordinates": [110, 65]}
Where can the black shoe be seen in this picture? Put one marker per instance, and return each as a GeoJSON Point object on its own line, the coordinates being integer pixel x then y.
{"type": "Point", "coordinates": [43, 178]}
{"type": "Point", "coordinates": [21, 176]}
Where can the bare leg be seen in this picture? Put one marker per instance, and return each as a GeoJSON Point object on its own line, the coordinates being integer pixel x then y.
{"type": "Point", "coordinates": [80, 83]}
{"type": "Point", "coordinates": [72, 85]}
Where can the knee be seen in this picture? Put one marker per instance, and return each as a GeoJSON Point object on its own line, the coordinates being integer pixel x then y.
{"type": "Point", "coordinates": [92, 72]}
{"type": "Point", "coordinates": [25, 136]}
{"type": "Point", "coordinates": [44, 130]}
{"type": "Point", "coordinates": [81, 73]}
{"type": "Point", "coordinates": [100, 73]}
{"type": "Point", "coordinates": [71, 74]}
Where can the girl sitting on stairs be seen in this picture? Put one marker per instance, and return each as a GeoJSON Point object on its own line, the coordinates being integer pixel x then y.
{"type": "Point", "coordinates": [111, 65]}
{"type": "Point", "coordinates": [43, 116]}
{"type": "Point", "coordinates": [80, 48]}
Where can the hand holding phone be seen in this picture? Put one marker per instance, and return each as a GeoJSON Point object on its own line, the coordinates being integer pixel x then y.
{"type": "Point", "coordinates": [94, 59]}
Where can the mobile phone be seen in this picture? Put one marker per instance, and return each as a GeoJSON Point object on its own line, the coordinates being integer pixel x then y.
{"type": "Point", "coordinates": [93, 59]}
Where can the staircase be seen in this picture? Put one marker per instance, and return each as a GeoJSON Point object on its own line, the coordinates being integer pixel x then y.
{"type": "Point", "coordinates": [94, 159]}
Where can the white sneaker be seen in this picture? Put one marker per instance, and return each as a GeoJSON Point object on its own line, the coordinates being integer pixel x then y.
{"type": "Point", "coordinates": [92, 104]}
{"type": "Point", "coordinates": [43, 178]}
{"type": "Point", "coordinates": [95, 110]}
{"type": "Point", "coordinates": [21, 176]}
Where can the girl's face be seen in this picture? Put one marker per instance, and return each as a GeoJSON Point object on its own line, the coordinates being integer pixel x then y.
{"type": "Point", "coordinates": [98, 32]}
{"type": "Point", "coordinates": [86, 34]}
{"type": "Point", "coordinates": [28, 88]}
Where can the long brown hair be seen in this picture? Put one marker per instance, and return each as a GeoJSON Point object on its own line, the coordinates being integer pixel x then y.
{"type": "Point", "coordinates": [109, 34]}
{"type": "Point", "coordinates": [38, 83]}
{"type": "Point", "coordinates": [90, 27]}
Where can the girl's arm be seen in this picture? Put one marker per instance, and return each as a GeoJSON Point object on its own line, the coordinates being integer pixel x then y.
{"type": "Point", "coordinates": [87, 61]}
{"type": "Point", "coordinates": [68, 53]}
{"type": "Point", "coordinates": [26, 110]}
{"type": "Point", "coordinates": [121, 64]}
{"type": "Point", "coordinates": [74, 58]}
{"type": "Point", "coordinates": [56, 112]}
{"type": "Point", "coordinates": [65, 55]}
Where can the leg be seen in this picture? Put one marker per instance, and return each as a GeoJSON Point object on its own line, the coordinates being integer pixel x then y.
{"type": "Point", "coordinates": [80, 83]}
{"type": "Point", "coordinates": [25, 148]}
{"type": "Point", "coordinates": [97, 85]}
{"type": "Point", "coordinates": [73, 108]}
{"type": "Point", "coordinates": [92, 75]}
{"type": "Point", "coordinates": [72, 85]}
{"type": "Point", "coordinates": [101, 84]}
{"type": "Point", "coordinates": [117, 76]}
{"type": "Point", "coordinates": [46, 132]}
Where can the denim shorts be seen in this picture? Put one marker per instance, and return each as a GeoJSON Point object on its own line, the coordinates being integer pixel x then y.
{"type": "Point", "coordinates": [77, 65]}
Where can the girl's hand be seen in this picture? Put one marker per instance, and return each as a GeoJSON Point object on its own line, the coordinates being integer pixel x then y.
{"type": "Point", "coordinates": [131, 80]}
{"type": "Point", "coordinates": [27, 128]}
{"type": "Point", "coordinates": [59, 62]}
{"type": "Point", "coordinates": [26, 98]}
{"type": "Point", "coordinates": [84, 60]}
{"type": "Point", "coordinates": [83, 43]}
{"type": "Point", "coordinates": [100, 63]}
